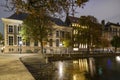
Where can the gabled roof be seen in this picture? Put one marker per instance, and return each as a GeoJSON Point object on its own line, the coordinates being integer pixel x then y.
{"type": "Point", "coordinates": [22, 16]}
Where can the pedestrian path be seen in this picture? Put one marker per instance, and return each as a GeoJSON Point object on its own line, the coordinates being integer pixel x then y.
{"type": "Point", "coordinates": [11, 68]}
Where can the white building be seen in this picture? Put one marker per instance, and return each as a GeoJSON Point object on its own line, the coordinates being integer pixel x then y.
{"type": "Point", "coordinates": [12, 38]}
{"type": "Point", "coordinates": [111, 30]}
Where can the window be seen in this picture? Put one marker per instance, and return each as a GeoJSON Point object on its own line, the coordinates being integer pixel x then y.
{"type": "Point", "coordinates": [27, 43]}
{"type": "Point", "coordinates": [51, 43]}
{"type": "Point", "coordinates": [10, 29]}
{"type": "Point", "coordinates": [36, 43]}
{"type": "Point", "coordinates": [18, 28]}
{"type": "Point", "coordinates": [57, 42]}
{"type": "Point", "coordinates": [57, 33]}
{"type": "Point", "coordinates": [10, 40]}
{"type": "Point", "coordinates": [18, 40]}
{"type": "Point", "coordinates": [62, 34]}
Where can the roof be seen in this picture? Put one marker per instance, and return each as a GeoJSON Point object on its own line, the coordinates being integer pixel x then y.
{"type": "Point", "coordinates": [110, 23]}
{"type": "Point", "coordinates": [57, 21]}
{"type": "Point", "coordinates": [19, 16]}
{"type": "Point", "coordinates": [73, 19]}
{"type": "Point", "coordinates": [22, 16]}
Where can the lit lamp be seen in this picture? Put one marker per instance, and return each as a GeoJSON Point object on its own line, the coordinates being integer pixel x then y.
{"type": "Point", "coordinates": [60, 46]}
{"type": "Point", "coordinates": [20, 43]}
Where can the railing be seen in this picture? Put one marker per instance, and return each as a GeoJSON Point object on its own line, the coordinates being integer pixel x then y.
{"type": "Point", "coordinates": [78, 55]}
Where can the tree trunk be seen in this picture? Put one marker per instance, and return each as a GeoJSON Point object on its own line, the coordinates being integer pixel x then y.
{"type": "Point", "coordinates": [41, 42]}
{"type": "Point", "coordinates": [88, 49]}
{"type": "Point", "coordinates": [115, 49]}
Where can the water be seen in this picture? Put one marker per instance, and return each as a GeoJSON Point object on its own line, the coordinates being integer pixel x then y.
{"type": "Point", "coordinates": [87, 69]}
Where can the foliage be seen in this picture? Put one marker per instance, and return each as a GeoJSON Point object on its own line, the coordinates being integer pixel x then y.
{"type": "Point", "coordinates": [91, 33]}
{"type": "Point", "coordinates": [67, 40]}
{"type": "Point", "coordinates": [36, 28]}
{"type": "Point", "coordinates": [36, 25]}
{"type": "Point", "coordinates": [45, 6]}
{"type": "Point", "coordinates": [1, 37]}
{"type": "Point", "coordinates": [104, 42]}
{"type": "Point", "coordinates": [115, 42]}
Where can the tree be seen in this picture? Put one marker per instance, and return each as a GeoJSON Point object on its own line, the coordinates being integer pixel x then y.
{"type": "Point", "coordinates": [48, 6]}
{"type": "Point", "coordinates": [91, 33]}
{"type": "Point", "coordinates": [67, 42]}
{"type": "Point", "coordinates": [39, 10]}
{"type": "Point", "coordinates": [115, 42]}
{"type": "Point", "coordinates": [36, 28]}
{"type": "Point", "coordinates": [1, 39]}
{"type": "Point", "coordinates": [104, 42]}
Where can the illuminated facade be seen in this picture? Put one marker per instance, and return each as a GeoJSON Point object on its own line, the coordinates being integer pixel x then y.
{"type": "Point", "coordinates": [73, 22]}
{"type": "Point", "coordinates": [12, 38]}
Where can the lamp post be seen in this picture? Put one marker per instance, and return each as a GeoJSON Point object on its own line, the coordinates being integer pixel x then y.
{"type": "Point", "coordinates": [20, 43]}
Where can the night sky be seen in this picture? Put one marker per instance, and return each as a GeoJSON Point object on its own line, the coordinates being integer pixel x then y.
{"type": "Point", "coordinates": [108, 10]}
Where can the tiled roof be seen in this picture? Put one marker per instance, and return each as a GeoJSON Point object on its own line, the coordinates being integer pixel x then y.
{"type": "Point", "coordinates": [22, 16]}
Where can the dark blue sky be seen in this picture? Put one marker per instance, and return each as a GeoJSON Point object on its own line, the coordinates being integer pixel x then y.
{"type": "Point", "coordinates": [101, 9]}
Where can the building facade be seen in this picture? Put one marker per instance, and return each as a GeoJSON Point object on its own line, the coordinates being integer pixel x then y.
{"type": "Point", "coordinates": [111, 30]}
{"type": "Point", "coordinates": [13, 41]}
{"type": "Point", "coordinates": [73, 22]}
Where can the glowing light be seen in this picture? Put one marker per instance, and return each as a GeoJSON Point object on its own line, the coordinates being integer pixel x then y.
{"type": "Point", "coordinates": [75, 49]}
{"type": "Point", "coordinates": [118, 58]}
{"type": "Point", "coordinates": [60, 69]}
{"type": "Point", "coordinates": [75, 62]}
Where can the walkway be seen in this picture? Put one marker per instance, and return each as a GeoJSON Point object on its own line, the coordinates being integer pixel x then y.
{"type": "Point", "coordinates": [11, 68]}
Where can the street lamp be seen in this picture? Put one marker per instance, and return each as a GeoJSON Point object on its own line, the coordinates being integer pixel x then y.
{"type": "Point", "coordinates": [20, 43]}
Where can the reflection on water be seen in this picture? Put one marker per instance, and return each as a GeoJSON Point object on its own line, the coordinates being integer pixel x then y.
{"type": "Point", "coordinates": [74, 70]}
{"type": "Point", "coordinates": [87, 69]}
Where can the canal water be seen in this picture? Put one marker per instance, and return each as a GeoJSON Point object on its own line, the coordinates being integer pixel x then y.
{"type": "Point", "coordinates": [87, 69]}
